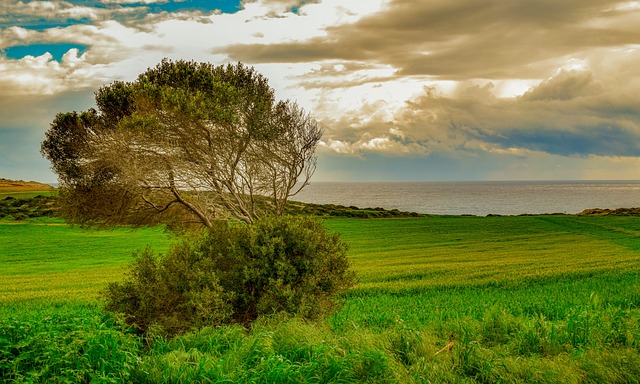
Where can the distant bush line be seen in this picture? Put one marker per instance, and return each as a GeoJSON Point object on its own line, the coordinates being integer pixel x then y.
{"type": "Point", "coordinates": [25, 208]}
{"type": "Point", "coordinates": [21, 208]}
{"type": "Point", "coordinates": [334, 210]}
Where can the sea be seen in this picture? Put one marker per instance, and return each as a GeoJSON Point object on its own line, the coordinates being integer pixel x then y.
{"type": "Point", "coordinates": [479, 198]}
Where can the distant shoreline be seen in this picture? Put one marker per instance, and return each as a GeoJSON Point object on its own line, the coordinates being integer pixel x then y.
{"type": "Point", "coordinates": [449, 198]}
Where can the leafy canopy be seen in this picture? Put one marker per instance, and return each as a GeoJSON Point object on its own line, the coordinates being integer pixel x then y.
{"type": "Point", "coordinates": [186, 143]}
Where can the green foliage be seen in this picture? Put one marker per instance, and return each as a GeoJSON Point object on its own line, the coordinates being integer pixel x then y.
{"type": "Point", "coordinates": [170, 295]}
{"type": "Point", "coordinates": [79, 347]}
{"type": "Point", "coordinates": [289, 264]}
{"type": "Point", "coordinates": [275, 350]}
{"type": "Point", "coordinates": [186, 143]}
{"type": "Point", "coordinates": [235, 273]}
{"type": "Point", "coordinates": [333, 210]}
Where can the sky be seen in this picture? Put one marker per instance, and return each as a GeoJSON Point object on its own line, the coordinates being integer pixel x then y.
{"type": "Point", "coordinates": [430, 90]}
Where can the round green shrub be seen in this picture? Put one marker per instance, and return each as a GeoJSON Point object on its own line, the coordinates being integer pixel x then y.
{"type": "Point", "coordinates": [235, 273]}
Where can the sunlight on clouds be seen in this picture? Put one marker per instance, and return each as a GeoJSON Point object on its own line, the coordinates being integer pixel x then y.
{"type": "Point", "coordinates": [37, 12]}
{"type": "Point", "coordinates": [379, 145]}
{"type": "Point", "coordinates": [631, 5]}
{"type": "Point", "coordinates": [513, 87]}
{"type": "Point", "coordinates": [80, 13]}
{"type": "Point", "coordinates": [575, 64]}
{"type": "Point", "coordinates": [40, 6]}
{"type": "Point", "coordinates": [500, 85]}
{"type": "Point", "coordinates": [337, 146]}
{"type": "Point", "coordinates": [44, 76]}
{"type": "Point", "coordinates": [481, 146]}
{"type": "Point", "coordinates": [15, 34]}
{"type": "Point", "coordinates": [571, 113]}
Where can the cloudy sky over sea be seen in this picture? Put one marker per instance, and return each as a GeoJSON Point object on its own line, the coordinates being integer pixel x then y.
{"type": "Point", "coordinates": [406, 90]}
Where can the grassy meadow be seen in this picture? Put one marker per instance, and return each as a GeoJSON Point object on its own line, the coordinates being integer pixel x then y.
{"type": "Point", "coordinates": [443, 299]}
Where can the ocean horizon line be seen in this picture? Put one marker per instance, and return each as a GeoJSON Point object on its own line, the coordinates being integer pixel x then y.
{"type": "Point", "coordinates": [486, 181]}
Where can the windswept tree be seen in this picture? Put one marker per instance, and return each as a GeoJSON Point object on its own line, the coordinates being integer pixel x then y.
{"type": "Point", "coordinates": [185, 143]}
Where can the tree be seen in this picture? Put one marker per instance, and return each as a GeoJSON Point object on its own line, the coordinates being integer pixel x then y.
{"type": "Point", "coordinates": [185, 143]}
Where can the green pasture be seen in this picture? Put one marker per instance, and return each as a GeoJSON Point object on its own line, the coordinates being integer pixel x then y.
{"type": "Point", "coordinates": [438, 252]}
{"type": "Point", "coordinates": [47, 260]}
{"type": "Point", "coordinates": [522, 299]}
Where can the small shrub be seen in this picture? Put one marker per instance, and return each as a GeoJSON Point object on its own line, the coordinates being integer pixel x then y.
{"type": "Point", "coordinates": [233, 274]}
{"type": "Point", "coordinates": [171, 294]}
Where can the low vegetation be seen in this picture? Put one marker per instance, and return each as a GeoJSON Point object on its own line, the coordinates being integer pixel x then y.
{"type": "Point", "coordinates": [234, 274]}
{"type": "Point", "coordinates": [8, 186]}
{"type": "Point", "coordinates": [28, 207]}
{"type": "Point", "coordinates": [536, 299]}
{"type": "Point", "coordinates": [20, 200]}
{"type": "Point", "coordinates": [24, 203]}
{"type": "Point", "coordinates": [334, 210]}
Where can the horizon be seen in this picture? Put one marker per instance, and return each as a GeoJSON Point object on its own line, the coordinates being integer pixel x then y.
{"type": "Point", "coordinates": [424, 91]}
{"type": "Point", "coordinates": [583, 181]}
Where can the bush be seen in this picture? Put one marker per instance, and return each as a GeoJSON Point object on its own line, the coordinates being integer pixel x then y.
{"type": "Point", "coordinates": [233, 274]}
{"type": "Point", "coordinates": [171, 294]}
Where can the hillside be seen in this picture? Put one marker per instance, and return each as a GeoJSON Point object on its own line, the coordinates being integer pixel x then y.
{"type": "Point", "coordinates": [7, 185]}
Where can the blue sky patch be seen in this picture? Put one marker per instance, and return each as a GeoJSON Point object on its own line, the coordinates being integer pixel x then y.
{"type": "Point", "coordinates": [205, 6]}
{"type": "Point", "coordinates": [59, 20]}
{"type": "Point", "coordinates": [296, 8]}
{"type": "Point", "coordinates": [56, 50]}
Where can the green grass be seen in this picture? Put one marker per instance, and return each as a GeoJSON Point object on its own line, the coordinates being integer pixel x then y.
{"type": "Point", "coordinates": [524, 299]}
{"type": "Point", "coordinates": [26, 194]}
{"type": "Point", "coordinates": [47, 260]}
{"type": "Point", "coordinates": [441, 252]}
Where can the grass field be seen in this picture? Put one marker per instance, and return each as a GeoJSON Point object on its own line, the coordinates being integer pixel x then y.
{"type": "Point", "coordinates": [46, 260]}
{"type": "Point", "coordinates": [440, 299]}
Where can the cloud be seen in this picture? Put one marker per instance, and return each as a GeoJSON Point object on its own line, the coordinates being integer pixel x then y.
{"type": "Point", "coordinates": [476, 85]}
{"type": "Point", "coordinates": [569, 114]}
{"type": "Point", "coordinates": [51, 13]}
{"type": "Point", "coordinates": [44, 76]}
{"type": "Point", "coordinates": [461, 39]}
{"type": "Point", "coordinates": [566, 85]}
